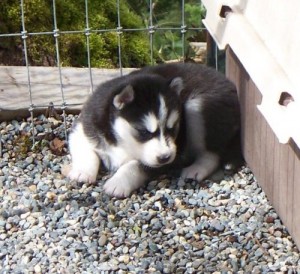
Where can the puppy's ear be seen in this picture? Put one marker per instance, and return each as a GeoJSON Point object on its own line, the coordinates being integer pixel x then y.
{"type": "Point", "coordinates": [125, 97]}
{"type": "Point", "coordinates": [177, 85]}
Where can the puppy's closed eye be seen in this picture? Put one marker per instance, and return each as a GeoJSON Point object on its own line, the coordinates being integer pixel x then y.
{"type": "Point", "coordinates": [144, 135]}
{"type": "Point", "coordinates": [171, 131]}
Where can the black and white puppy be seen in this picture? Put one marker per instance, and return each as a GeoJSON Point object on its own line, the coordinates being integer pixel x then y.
{"type": "Point", "coordinates": [155, 120]}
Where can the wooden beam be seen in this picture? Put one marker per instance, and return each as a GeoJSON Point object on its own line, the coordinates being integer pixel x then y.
{"type": "Point", "coordinates": [16, 95]}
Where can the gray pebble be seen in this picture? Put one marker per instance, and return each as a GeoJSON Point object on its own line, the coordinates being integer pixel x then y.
{"type": "Point", "coordinates": [153, 247]}
{"type": "Point", "coordinates": [48, 224]}
{"type": "Point", "coordinates": [71, 233]}
{"type": "Point", "coordinates": [65, 243]}
{"type": "Point", "coordinates": [102, 240]}
{"type": "Point", "coordinates": [9, 127]}
{"type": "Point", "coordinates": [217, 225]}
{"type": "Point", "coordinates": [88, 223]}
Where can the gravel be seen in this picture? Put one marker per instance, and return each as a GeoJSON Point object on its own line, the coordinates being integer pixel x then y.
{"type": "Point", "coordinates": [51, 225]}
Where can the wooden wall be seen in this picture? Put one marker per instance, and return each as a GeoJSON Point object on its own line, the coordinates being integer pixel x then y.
{"type": "Point", "coordinates": [276, 166]}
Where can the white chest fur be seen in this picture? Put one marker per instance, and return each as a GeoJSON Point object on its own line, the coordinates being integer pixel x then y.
{"type": "Point", "coordinates": [112, 156]}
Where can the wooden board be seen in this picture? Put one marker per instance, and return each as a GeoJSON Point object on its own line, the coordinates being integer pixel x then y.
{"type": "Point", "coordinates": [46, 87]}
{"type": "Point", "coordinates": [276, 166]}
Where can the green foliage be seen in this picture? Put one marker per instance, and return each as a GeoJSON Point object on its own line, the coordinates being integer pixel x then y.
{"type": "Point", "coordinates": [70, 16]}
{"type": "Point", "coordinates": [194, 13]}
{"type": "Point", "coordinates": [103, 38]}
{"type": "Point", "coordinates": [168, 44]}
{"type": "Point", "coordinates": [171, 44]}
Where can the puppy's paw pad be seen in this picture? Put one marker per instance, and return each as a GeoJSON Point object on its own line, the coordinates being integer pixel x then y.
{"type": "Point", "coordinates": [115, 188]}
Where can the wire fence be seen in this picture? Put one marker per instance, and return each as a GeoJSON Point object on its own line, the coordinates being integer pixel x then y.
{"type": "Point", "coordinates": [56, 33]}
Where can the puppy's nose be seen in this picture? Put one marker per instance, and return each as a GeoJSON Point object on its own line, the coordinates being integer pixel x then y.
{"type": "Point", "coordinates": [164, 158]}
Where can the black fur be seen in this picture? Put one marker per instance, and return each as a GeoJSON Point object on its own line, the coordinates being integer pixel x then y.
{"type": "Point", "coordinates": [221, 111]}
{"type": "Point", "coordinates": [99, 112]}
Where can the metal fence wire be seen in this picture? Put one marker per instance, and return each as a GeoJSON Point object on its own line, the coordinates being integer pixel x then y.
{"type": "Point", "coordinates": [56, 33]}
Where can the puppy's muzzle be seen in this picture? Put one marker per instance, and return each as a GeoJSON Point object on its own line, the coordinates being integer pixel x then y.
{"type": "Point", "coordinates": [163, 158]}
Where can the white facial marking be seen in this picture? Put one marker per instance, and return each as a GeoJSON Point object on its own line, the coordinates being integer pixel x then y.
{"type": "Point", "coordinates": [157, 147]}
{"type": "Point", "coordinates": [151, 151]}
{"type": "Point", "coordinates": [150, 122]}
{"type": "Point", "coordinates": [162, 110]}
{"type": "Point", "coordinates": [126, 140]}
{"type": "Point", "coordinates": [146, 152]}
{"type": "Point", "coordinates": [172, 119]}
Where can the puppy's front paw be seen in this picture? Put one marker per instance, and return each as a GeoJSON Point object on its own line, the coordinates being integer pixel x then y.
{"type": "Point", "coordinates": [202, 167]}
{"type": "Point", "coordinates": [117, 187]}
{"type": "Point", "coordinates": [192, 172]}
{"type": "Point", "coordinates": [128, 178]}
{"type": "Point", "coordinates": [80, 175]}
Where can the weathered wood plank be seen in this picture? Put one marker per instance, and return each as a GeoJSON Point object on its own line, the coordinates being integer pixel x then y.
{"type": "Point", "coordinates": [249, 106]}
{"type": "Point", "coordinates": [296, 201]}
{"type": "Point", "coordinates": [283, 175]}
{"type": "Point", "coordinates": [276, 179]}
{"type": "Point", "coordinates": [263, 164]}
{"type": "Point", "coordinates": [290, 188]}
{"type": "Point", "coordinates": [269, 161]}
{"type": "Point", "coordinates": [45, 86]}
{"type": "Point", "coordinates": [256, 134]}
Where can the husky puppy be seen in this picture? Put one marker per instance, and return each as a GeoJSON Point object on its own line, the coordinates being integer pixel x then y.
{"type": "Point", "coordinates": [159, 118]}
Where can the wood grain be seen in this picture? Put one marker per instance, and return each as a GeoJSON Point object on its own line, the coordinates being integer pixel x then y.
{"type": "Point", "coordinates": [276, 166]}
{"type": "Point", "coordinates": [45, 87]}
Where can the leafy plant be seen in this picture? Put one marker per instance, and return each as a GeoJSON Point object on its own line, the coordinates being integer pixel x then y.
{"type": "Point", "coordinates": [103, 37]}
{"type": "Point", "coordinates": [167, 15]}
{"type": "Point", "coordinates": [70, 15]}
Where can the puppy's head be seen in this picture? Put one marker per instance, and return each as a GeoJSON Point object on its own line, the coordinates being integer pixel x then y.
{"type": "Point", "coordinates": [147, 119]}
